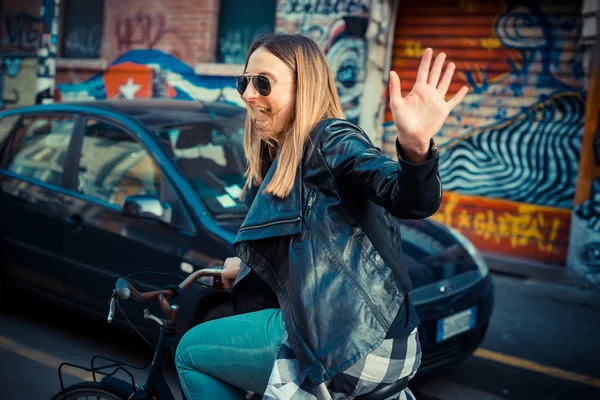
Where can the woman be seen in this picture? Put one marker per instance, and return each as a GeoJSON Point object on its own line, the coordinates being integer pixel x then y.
{"type": "Point", "coordinates": [320, 288]}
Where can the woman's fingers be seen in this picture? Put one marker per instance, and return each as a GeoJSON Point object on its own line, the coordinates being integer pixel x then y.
{"type": "Point", "coordinates": [447, 78]}
{"type": "Point", "coordinates": [423, 71]}
{"type": "Point", "coordinates": [395, 89]}
{"type": "Point", "coordinates": [454, 101]}
{"type": "Point", "coordinates": [436, 70]}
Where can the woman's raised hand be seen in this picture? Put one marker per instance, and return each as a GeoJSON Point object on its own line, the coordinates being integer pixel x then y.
{"type": "Point", "coordinates": [421, 114]}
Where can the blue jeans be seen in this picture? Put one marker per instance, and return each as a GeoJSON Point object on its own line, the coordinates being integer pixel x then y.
{"type": "Point", "coordinates": [220, 359]}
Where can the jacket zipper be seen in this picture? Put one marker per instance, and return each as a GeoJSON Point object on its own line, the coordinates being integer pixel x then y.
{"type": "Point", "coordinates": [309, 208]}
{"type": "Point", "coordinates": [378, 315]}
{"type": "Point", "coordinates": [266, 224]}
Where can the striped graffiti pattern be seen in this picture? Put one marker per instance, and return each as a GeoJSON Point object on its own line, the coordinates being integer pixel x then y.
{"type": "Point", "coordinates": [532, 158]}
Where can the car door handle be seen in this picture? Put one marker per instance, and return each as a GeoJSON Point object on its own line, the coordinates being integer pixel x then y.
{"type": "Point", "coordinates": [74, 222]}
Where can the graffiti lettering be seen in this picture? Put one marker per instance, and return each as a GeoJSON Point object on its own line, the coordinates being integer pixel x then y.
{"type": "Point", "coordinates": [145, 31]}
{"type": "Point", "coordinates": [524, 227]}
{"type": "Point", "coordinates": [23, 33]}
{"type": "Point", "coordinates": [83, 42]}
{"type": "Point", "coordinates": [323, 7]}
{"type": "Point", "coordinates": [414, 49]}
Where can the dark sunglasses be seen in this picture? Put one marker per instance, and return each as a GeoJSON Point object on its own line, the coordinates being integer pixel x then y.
{"type": "Point", "coordinates": [261, 83]}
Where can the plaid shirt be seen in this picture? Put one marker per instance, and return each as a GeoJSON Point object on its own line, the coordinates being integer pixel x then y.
{"type": "Point", "coordinates": [394, 359]}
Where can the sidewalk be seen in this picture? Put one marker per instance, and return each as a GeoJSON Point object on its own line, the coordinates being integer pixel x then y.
{"type": "Point", "coordinates": [536, 271]}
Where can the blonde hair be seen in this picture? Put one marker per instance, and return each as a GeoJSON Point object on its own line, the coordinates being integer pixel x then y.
{"type": "Point", "coordinates": [316, 99]}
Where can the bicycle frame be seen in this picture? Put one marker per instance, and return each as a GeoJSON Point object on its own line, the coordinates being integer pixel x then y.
{"type": "Point", "coordinates": [156, 386]}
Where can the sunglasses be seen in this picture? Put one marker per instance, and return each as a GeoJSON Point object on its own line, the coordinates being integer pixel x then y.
{"type": "Point", "coordinates": [261, 83]}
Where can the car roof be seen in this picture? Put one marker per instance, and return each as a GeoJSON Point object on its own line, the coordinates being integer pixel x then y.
{"type": "Point", "coordinates": [159, 113]}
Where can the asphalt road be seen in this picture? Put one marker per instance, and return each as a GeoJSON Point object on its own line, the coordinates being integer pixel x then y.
{"type": "Point", "coordinates": [542, 344]}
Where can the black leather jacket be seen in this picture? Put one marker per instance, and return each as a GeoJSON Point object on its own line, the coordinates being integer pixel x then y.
{"type": "Point", "coordinates": [339, 273]}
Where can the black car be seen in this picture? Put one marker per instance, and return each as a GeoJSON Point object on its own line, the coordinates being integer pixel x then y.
{"type": "Point", "coordinates": [91, 192]}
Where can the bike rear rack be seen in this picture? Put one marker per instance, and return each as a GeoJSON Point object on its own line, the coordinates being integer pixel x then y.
{"type": "Point", "coordinates": [101, 370]}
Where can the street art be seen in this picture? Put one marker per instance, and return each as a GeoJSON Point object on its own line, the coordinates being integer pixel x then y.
{"type": "Point", "coordinates": [17, 80]}
{"type": "Point", "coordinates": [517, 134]}
{"type": "Point", "coordinates": [584, 246]}
{"type": "Point", "coordinates": [151, 73]}
{"type": "Point", "coordinates": [339, 28]}
{"type": "Point", "coordinates": [528, 153]}
{"type": "Point", "coordinates": [515, 141]}
{"type": "Point", "coordinates": [46, 53]}
{"type": "Point", "coordinates": [149, 31]}
{"type": "Point", "coordinates": [531, 158]}
{"type": "Point", "coordinates": [22, 33]}
{"type": "Point", "coordinates": [312, 7]}
{"type": "Point", "coordinates": [83, 42]}
{"type": "Point", "coordinates": [499, 226]}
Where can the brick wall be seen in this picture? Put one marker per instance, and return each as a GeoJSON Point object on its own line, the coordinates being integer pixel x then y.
{"type": "Point", "coordinates": [185, 29]}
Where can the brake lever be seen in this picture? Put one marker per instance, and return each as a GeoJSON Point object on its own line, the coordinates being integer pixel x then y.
{"type": "Point", "coordinates": [111, 307]}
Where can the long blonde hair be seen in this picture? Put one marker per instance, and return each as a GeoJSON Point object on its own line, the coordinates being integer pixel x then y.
{"type": "Point", "coordinates": [316, 99]}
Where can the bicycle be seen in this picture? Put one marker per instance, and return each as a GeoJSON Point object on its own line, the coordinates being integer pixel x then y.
{"type": "Point", "coordinates": [156, 387]}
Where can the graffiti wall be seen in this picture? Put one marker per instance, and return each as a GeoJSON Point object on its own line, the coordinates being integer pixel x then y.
{"type": "Point", "coordinates": [151, 73]}
{"type": "Point", "coordinates": [46, 70]}
{"type": "Point", "coordinates": [20, 34]}
{"type": "Point", "coordinates": [584, 246]}
{"type": "Point", "coordinates": [517, 135]}
{"type": "Point", "coordinates": [185, 29]}
{"type": "Point", "coordinates": [339, 27]}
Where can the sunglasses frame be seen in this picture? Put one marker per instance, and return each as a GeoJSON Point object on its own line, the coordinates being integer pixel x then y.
{"type": "Point", "coordinates": [253, 78]}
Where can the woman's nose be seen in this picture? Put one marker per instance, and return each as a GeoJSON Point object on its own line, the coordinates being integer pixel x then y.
{"type": "Point", "coordinates": [250, 93]}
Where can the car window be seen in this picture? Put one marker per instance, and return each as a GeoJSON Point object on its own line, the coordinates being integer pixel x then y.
{"type": "Point", "coordinates": [6, 126]}
{"type": "Point", "coordinates": [113, 165]}
{"type": "Point", "coordinates": [211, 156]}
{"type": "Point", "coordinates": [40, 147]}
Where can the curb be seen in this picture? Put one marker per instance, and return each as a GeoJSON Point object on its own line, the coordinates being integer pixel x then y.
{"type": "Point", "coordinates": [523, 269]}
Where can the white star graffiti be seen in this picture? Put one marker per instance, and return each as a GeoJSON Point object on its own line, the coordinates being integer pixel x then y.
{"type": "Point", "coordinates": [130, 89]}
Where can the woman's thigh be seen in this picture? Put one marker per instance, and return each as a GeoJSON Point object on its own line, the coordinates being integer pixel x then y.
{"type": "Point", "coordinates": [239, 350]}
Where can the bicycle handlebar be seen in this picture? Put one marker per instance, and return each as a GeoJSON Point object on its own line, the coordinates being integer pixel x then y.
{"type": "Point", "coordinates": [124, 290]}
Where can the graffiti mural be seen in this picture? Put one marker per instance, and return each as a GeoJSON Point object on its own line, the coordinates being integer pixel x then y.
{"type": "Point", "coordinates": [151, 73]}
{"type": "Point", "coordinates": [584, 246]}
{"type": "Point", "coordinates": [513, 228]}
{"type": "Point", "coordinates": [22, 32]}
{"type": "Point", "coordinates": [531, 151]}
{"type": "Point", "coordinates": [46, 53]}
{"type": "Point", "coordinates": [149, 31]}
{"type": "Point", "coordinates": [339, 27]}
{"type": "Point", "coordinates": [17, 80]}
{"type": "Point", "coordinates": [516, 137]}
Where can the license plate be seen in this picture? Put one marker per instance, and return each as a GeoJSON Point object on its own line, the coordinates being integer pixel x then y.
{"type": "Point", "coordinates": [456, 324]}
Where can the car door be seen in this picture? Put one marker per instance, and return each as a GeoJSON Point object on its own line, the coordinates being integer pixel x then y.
{"type": "Point", "coordinates": [32, 228]}
{"type": "Point", "coordinates": [107, 244]}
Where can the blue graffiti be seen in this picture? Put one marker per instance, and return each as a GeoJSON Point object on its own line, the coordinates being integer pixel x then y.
{"type": "Point", "coordinates": [12, 66]}
{"type": "Point", "coordinates": [176, 74]}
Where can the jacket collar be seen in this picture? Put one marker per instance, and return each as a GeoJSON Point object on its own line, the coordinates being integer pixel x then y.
{"type": "Point", "coordinates": [268, 215]}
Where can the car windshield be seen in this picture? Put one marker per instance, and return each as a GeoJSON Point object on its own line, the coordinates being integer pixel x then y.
{"type": "Point", "coordinates": [211, 155]}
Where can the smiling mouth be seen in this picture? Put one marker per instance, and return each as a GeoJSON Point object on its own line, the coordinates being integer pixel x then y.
{"type": "Point", "coordinates": [264, 110]}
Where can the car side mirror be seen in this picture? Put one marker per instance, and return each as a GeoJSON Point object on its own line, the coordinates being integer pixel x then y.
{"type": "Point", "coordinates": [148, 207]}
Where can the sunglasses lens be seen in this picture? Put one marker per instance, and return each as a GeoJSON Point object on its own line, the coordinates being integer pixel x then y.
{"type": "Point", "coordinates": [262, 84]}
{"type": "Point", "coordinates": [241, 83]}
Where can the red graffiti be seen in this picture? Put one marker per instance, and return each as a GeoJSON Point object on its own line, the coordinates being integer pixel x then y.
{"type": "Point", "coordinates": [146, 31]}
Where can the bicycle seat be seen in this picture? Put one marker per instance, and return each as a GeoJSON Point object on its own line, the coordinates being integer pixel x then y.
{"type": "Point", "coordinates": [386, 392]}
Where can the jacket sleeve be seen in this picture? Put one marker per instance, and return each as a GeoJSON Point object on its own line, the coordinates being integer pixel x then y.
{"type": "Point", "coordinates": [404, 189]}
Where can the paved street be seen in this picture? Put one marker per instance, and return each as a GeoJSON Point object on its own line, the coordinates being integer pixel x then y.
{"type": "Point", "coordinates": [542, 344]}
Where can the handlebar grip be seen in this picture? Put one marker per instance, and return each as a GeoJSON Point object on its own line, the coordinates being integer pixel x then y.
{"type": "Point", "coordinates": [122, 289]}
